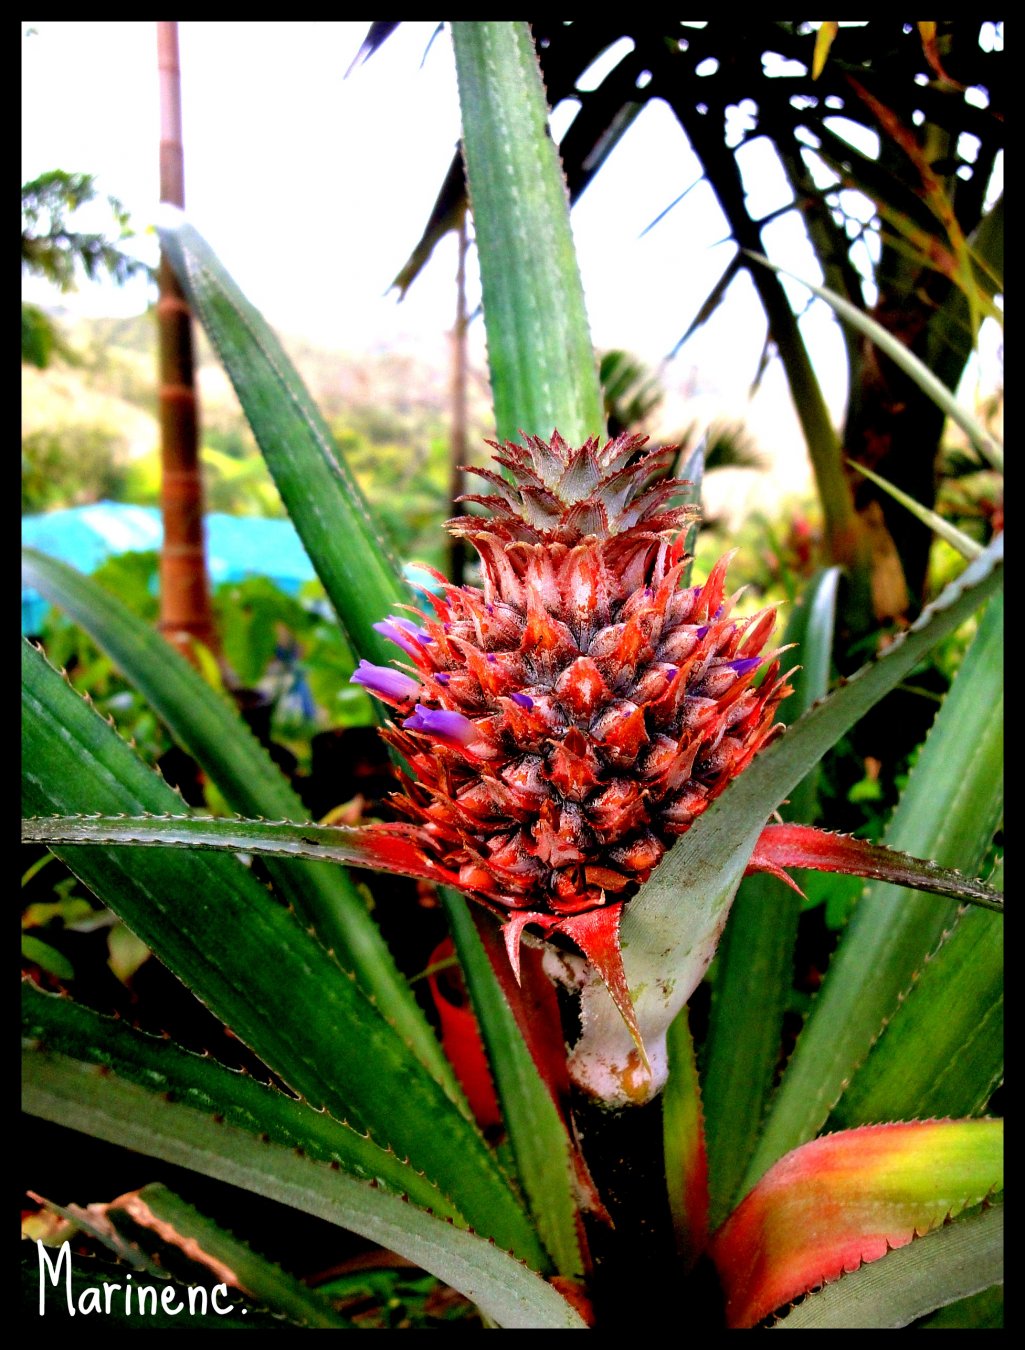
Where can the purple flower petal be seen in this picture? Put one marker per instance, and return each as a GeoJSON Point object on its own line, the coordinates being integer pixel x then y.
{"type": "Point", "coordinates": [671, 673]}
{"type": "Point", "coordinates": [397, 631]}
{"type": "Point", "coordinates": [440, 722]}
{"type": "Point", "coordinates": [390, 628]}
{"type": "Point", "coordinates": [700, 633]}
{"type": "Point", "coordinates": [744, 663]}
{"type": "Point", "coordinates": [524, 700]}
{"type": "Point", "coordinates": [385, 682]}
{"type": "Point", "coordinates": [442, 677]}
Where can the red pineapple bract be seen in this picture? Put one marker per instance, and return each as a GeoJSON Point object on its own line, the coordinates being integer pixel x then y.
{"type": "Point", "coordinates": [564, 724]}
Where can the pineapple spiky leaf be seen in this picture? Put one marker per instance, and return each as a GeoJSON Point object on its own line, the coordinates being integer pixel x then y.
{"type": "Point", "coordinates": [846, 1199]}
{"type": "Point", "coordinates": [596, 933]}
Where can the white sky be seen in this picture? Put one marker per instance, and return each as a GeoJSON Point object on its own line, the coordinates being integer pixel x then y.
{"type": "Point", "coordinates": [313, 190]}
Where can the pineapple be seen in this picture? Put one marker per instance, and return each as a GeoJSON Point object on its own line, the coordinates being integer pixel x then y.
{"type": "Point", "coordinates": [567, 722]}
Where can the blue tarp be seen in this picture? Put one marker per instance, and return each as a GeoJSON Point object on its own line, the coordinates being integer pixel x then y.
{"type": "Point", "coordinates": [237, 546]}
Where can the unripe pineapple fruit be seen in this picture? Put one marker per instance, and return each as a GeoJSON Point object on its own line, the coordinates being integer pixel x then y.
{"type": "Point", "coordinates": [567, 721]}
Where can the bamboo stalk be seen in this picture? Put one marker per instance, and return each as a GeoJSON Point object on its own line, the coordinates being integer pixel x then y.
{"type": "Point", "coordinates": [185, 609]}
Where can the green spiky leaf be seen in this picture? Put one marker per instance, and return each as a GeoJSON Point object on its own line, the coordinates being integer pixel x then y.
{"type": "Point", "coordinates": [949, 810]}
{"type": "Point", "coordinates": [949, 1264]}
{"type": "Point", "coordinates": [849, 1198]}
{"type": "Point", "coordinates": [324, 501]}
{"type": "Point", "coordinates": [213, 924]}
{"type": "Point", "coordinates": [153, 1229]}
{"type": "Point", "coordinates": [544, 375]}
{"type": "Point", "coordinates": [60, 1026]}
{"type": "Point", "coordinates": [683, 1141]}
{"type": "Point", "coordinates": [671, 929]}
{"type": "Point", "coordinates": [537, 1133]}
{"type": "Point", "coordinates": [956, 538]}
{"type": "Point", "coordinates": [126, 1114]}
{"type": "Point", "coordinates": [908, 362]}
{"type": "Point", "coordinates": [942, 1051]}
{"type": "Point", "coordinates": [210, 730]}
{"type": "Point", "coordinates": [756, 956]}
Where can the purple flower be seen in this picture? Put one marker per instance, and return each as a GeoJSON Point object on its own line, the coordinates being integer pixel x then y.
{"type": "Point", "coordinates": [400, 631]}
{"type": "Point", "coordinates": [446, 726]}
{"type": "Point", "coordinates": [524, 700]}
{"type": "Point", "coordinates": [385, 682]}
{"type": "Point", "coordinates": [744, 663]}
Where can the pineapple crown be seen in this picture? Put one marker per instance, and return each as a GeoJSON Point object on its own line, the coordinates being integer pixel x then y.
{"type": "Point", "coordinates": [561, 494]}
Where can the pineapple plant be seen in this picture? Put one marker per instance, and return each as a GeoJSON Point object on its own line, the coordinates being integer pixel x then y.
{"type": "Point", "coordinates": [564, 724]}
{"type": "Point", "coordinates": [606, 779]}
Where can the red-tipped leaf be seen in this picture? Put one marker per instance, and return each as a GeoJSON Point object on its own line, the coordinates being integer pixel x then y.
{"type": "Point", "coordinates": [783, 846]}
{"type": "Point", "coordinates": [596, 933]}
{"type": "Point", "coordinates": [848, 1198]}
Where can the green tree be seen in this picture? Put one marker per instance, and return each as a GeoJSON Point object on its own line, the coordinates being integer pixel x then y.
{"type": "Point", "coordinates": [908, 115]}
{"type": "Point", "coordinates": [53, 248]}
